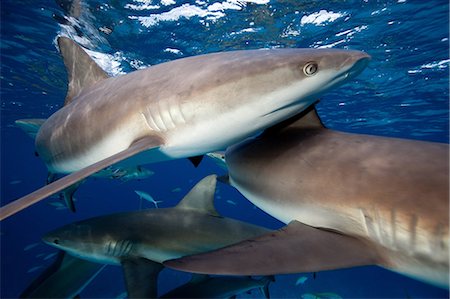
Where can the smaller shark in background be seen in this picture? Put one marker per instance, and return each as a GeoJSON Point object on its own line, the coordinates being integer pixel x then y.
{"type": "Point", "coordinates": [140, 241]}
{"type": "Point", "coordinates": [205, 286]}
{"type": "Point", "coordinates": [348, 200]}
{"type": "Point", "coordinates": [219, 158]}
{"type": "Point", "coordinates": [65, 278]}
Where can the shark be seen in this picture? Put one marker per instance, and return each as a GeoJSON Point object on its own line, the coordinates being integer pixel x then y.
{"type": "Point", "coordinates": [205, 286]}
{"type": "Point", "coordinates": [177, 109]}
{"type": "Point", "coordinates": [347, 199]}
{"type": "Point", "coordinates": [140, 241]}
{"type": "Point", "coordinates": [66, 277]}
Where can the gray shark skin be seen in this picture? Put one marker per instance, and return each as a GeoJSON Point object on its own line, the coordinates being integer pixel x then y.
{"type": "Point", "coordinates": [388, 194]}
{"type": "Point", "coordinates": [182, 108]}
{"type": "Point", "coordinates": [156, 235]}
{"type": "Point", "coordinates": [219, 287]}
{"type": "Point", "coordinates": [65, 278]}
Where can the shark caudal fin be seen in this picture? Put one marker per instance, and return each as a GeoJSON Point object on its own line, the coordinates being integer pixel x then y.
{"type": "Point", "coordinates": [81, 69]}
{"type": "Point", "coordinates": [140, 145]}
{"type": "Point", "coordinates": [292, 249]}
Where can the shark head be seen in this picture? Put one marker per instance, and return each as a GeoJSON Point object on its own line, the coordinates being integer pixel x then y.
{"type": "Point", "coordinates": [89, 242]}
{"type": "Point", "coordinates": [295, 78]}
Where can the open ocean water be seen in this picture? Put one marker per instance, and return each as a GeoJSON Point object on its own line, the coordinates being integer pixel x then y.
{"type": "Point", "coordinates": [404, 92]}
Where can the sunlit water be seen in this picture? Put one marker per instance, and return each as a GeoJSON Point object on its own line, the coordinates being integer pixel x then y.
{"type": "Point", "coordinates": [403, 93]}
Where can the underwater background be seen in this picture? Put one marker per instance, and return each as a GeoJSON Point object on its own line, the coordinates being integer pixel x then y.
{"type": "Point", "coordinates": [404, 92]}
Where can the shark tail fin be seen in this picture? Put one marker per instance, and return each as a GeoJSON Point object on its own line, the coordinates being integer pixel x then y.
{"type": "Point", "coordinates": [81, 68]}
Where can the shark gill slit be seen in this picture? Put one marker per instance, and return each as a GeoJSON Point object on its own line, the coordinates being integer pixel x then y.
{"type": "Point", "coordinates": [151, 120]}
{"type": "Point", "coordinates": [438, 244]}
{"type": "Point", "coordinates": [167, 116]}
{"type": "Point", "coordinates": [172, 116]}
{"type": "Point", "coordinates": [413, 235]}
{"type": "Point", "coordinates": [147, 122]}
{"type": "Point", "coordinates": [394, 228]}
{"type": "Point", "coordinates": [160, 116]}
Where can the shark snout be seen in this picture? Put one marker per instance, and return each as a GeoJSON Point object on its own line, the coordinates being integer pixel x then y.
{"type": "Point", "coordinates": [355, 63]}
{"type": "Point", "coordinates": [50, 239]}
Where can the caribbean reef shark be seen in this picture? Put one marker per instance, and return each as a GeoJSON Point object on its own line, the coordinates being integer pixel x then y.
{"type": "Point", "coordinates": [141, 240]}
{"type": "Point", "coordinates": [349, 200]}
{"type": "Point", "coordinates": [182, 108]}
{"type": "Point", "coordinates": [204, 286]}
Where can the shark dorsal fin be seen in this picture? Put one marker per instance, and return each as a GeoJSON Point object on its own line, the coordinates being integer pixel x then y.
{"type": "Point", "coordinates": [81, 68]}
{"type": "Point", "coordinates": [201, 196]}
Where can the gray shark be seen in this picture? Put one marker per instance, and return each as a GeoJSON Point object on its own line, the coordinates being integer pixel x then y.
{"type": "Point", "coordinates": [65, 278]}
{"type": "Point", "coordinates": [138, 240]}
{"type": "Point", "coordinates": [182, 108]}
{"type": "Point", "coordinates": [204, 286]}
{"type": "Point", "coordinates": [349, 199]}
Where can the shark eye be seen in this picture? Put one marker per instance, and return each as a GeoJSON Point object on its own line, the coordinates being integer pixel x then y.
{"type": "Point", "coordinates": [56, 241]}
{"type": "Point", "coordinates": [310, 68]}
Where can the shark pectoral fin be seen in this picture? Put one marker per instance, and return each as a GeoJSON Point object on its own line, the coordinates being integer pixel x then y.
{"type": "Point", "coordinates": [44, 276]}
{"type": "Point", "coordinates": [307, 119]}
{"type": "Point", "coordinates": [68, 193]}
{"type": "Point", "coordinates": [294, 248]}
{"type": "Point", "coordinates": [196, 160]}
{"type": "Point", "coordinates": [138, 146]}
{"type": "Point", "coordinates": [141, 277]}
{"type": "Point", "coordinates": [64, 278]}
{"type": "Point", "coordinates": [30, 126]}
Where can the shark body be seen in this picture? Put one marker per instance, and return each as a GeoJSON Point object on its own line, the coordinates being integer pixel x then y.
{"type": "Point", "coordinates": [349, 199]}
{"type": "Point", "coordinates": [182, 108]}
{"type": "Point", "coordinates": [140, 240]}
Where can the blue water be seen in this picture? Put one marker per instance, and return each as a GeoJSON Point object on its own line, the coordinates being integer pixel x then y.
{"type": "Point", "coordinates": [404, 93]}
